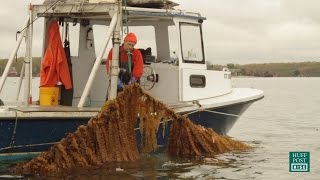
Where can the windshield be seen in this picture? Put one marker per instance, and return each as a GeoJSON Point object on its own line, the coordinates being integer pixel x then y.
{"type": "Point", "coordinates": [191, 43]}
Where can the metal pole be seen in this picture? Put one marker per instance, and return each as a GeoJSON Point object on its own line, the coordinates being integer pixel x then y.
{"type": "Point", "coordinates": [20, 82]}
{"type": "Point", "coordinates": [99, 58]}
{"type": "Point", "coordinates": [10, 61]}
{"type": "Point", "coordinates": [115, 60]}
{"type": "Point", "coordinates": [30, 55]}
{"type": "Point", "coordinates": [27, 69]}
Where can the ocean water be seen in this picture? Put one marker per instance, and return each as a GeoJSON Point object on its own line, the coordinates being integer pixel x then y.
{"type": "Point", "coordinates": [286, 120]}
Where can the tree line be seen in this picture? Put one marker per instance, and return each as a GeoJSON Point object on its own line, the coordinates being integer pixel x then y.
{"type": "Point", "coordinates": [298, 69]}
{"type": "Point", "coordinates": [18, 62]}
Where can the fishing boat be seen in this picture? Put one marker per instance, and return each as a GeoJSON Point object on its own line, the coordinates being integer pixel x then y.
{"type": "Point", "coordinates": [175, 71]}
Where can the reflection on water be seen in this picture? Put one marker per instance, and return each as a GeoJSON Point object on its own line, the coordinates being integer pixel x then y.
{"type": "Point", "coordinates": [287, 119]}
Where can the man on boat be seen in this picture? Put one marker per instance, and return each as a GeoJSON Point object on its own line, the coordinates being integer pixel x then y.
{"type": "Point", "coordinates": [130, 62]}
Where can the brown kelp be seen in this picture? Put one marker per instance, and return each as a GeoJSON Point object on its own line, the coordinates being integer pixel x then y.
{"type": "Point", "coordinates": [110, 136]}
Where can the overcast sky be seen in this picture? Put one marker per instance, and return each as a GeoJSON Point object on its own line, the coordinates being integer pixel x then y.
{"type": "Point", "coordinates": [236, 31]}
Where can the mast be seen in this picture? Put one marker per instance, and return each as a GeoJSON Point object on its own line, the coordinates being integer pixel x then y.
{"type": "Point", "coordinates": [28, 60]}
{"type": "Point", "coordinates": [115, 58]}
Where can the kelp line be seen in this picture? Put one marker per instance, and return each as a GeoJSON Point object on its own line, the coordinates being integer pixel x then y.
{"type": "Point", "coordinates": [110, 136]}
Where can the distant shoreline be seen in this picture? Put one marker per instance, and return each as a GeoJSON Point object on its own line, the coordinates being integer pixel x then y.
{"type": "Point", "coordinates": [298, 69]}
{"type": "Point", "coordinates": [271, 77]}
{"type": "Point", "coordinates": [17, 65]}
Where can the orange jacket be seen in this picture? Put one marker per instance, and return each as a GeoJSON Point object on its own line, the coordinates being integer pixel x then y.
{"type": "Point", "coordinates": [54, 66]}
{"type": "Point", "coordinates": [137, 61]}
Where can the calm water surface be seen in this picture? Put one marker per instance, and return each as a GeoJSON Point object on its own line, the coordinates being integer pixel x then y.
{"type": "Point", "coordinates": [286, 120]}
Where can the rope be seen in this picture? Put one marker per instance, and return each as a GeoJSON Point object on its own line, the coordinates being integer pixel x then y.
{"type": "Point", "coordinates": [215, 112]}
{"type": "Point", "coordinates": [28, 145]}
{"type": "Point", "coordinates": [40, 15]}
{"type": "Point", "coordinates": [81, 5]}
{"type": "Point", "coordinates": [222, 113]}
{"type": "Point", "coordinates": [129, 60]}
{"type": "Point", "coordinates": [161, 122]}
{"type": "Point", "coordinates": [126, 31]}
{"type": "Point", "coordinates": [66, 38]}
{"type": "Point", "coordinates": [227, 114]}
{"type": "Point", "coordinates": [14, 131]}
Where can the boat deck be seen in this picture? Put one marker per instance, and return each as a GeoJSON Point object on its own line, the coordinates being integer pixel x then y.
{"type": "Point", "coordinates": [67, 112]}
{"type": "Point", "coordinates": [36, 111]}
{"type": "Point", "coordinates": [238, 95]}
{"type": "Point", "coordinates": [36, 108]}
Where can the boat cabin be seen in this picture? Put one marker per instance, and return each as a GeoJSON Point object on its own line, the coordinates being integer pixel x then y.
{"type": "Point", "coordinates": [171, 41]}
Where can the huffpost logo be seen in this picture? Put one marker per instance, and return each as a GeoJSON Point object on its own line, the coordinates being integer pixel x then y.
{"type": "Point", "coordinates": [299, 161]}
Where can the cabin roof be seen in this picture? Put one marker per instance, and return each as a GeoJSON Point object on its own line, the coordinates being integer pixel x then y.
{"type": "Point", "coordinates": [100, 11]}
{"type": "Point", "coordinates": [157, 4]}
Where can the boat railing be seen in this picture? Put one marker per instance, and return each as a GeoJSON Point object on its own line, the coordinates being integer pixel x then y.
{"type": "Point", "coordinates": [13, 54]}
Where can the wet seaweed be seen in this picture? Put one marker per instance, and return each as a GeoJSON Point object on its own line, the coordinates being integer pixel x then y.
{"type": "Point", "coordinates": [110, 137]}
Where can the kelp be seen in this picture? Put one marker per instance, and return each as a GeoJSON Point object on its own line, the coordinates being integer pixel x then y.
{"type": "Point", "coordinates": [110, 136]}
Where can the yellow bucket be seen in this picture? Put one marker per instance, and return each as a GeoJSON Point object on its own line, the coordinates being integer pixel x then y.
{"type": "Point", "coordinates": [49, 96]}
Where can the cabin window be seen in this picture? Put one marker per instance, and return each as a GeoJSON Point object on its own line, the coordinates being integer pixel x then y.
{"type": "Point", "coordinates": [197, 81]}
{"type": "Point", "coordinates": [146, 38]}
{"type": "Point", "coordinates": [191, 43]}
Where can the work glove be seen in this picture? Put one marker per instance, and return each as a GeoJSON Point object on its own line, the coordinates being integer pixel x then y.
{"type": "Point", "coordinates": [120, 84]}
{"type": "Point", "coordinates": [133, 80]}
